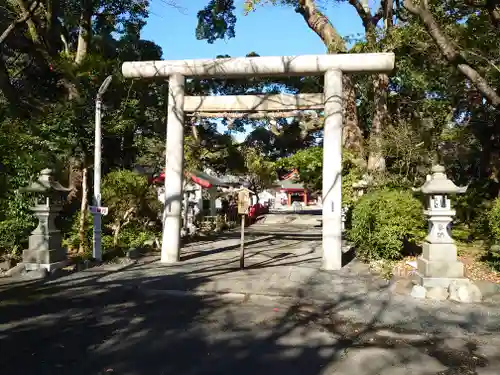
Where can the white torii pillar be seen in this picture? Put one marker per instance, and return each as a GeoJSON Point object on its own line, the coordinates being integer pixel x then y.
{"type": "Point", "coordinates": [174, 165]}
{"type": "Point", "coordinates": [332, 171]}
{"type": "Point", "coordinates": [333, 66]}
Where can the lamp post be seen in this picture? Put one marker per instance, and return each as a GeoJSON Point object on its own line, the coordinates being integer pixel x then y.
{"type": "Point", "coordinates": [96, 248]}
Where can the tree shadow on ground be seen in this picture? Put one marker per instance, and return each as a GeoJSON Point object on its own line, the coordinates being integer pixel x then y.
{"type": "Point", "coordinates": [262, 235]}
{"type": "Point", "coordinates": [89, 326]}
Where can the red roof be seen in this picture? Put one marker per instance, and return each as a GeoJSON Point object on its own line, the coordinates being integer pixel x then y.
{"type": "Point", "coordinates": [292, 175]}
{"type": "Point", "coordinates": [202, 179]}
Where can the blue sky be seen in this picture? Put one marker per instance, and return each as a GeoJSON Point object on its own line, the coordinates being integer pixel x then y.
{"type": "Point", "coordinates": [269, 31]}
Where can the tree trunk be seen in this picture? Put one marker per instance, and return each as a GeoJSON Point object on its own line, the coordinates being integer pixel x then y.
{"type": "Point", "coordinates": [25, 12]}
{"type": "Point", "coordinates": [54, 34]}
{"type": "Point", "coordinates": [321, 25]}
{"type": "Point", "coordinates": [352, 136]}
{"type": "Point", "coordinates": [494, 12]}
{"type": "Point", "coordinates": [10, 92]}
{"type": "Point", "coordinates": [116, 234]}
{"type": "Point", "coordinates": [85, 31]}
{"type": "Point", "coordinates": [128, 150]}
{"type": "Point", "coordinates": [376, 159]}
{"type": "Point", "coordinates": [83, 211]}
{"type": "Point", "coordinates": [74, 179]}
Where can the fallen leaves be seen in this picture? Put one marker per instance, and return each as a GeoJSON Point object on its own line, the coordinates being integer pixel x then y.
{"type": "Point", "coordinates": [470, 257]}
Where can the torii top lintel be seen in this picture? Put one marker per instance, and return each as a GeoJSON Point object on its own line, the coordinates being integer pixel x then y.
{"type": "Point", "coordinates": [303, 65]}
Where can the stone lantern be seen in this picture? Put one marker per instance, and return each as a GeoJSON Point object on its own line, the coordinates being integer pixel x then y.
{"type": "Point", "coordinates": [45, 245]}
{"type": "Point", "coordinates": [362, 185]}
{"type": "Point", "coordinates": [438, 265]}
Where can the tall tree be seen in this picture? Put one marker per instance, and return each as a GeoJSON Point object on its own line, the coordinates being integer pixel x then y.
{"type": "Point", "coordinates": [374, 37]}
{"type": "Point", "coordinates": [456, 56]}
{"type": "Point", "coordinates": [217, 21]}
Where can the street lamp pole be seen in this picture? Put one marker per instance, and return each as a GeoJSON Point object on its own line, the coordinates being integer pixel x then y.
{"type": "Point", "coordinates": [96, 248]}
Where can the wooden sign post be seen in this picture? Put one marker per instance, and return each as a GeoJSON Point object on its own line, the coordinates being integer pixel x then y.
{"type": "Point", "coordinates": [243, 205]}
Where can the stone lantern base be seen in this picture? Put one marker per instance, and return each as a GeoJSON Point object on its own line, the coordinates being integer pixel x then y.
{"type": "Point", "coordinates": [438, 266]}
{"type": "Point", "coordinates": [48, 259]}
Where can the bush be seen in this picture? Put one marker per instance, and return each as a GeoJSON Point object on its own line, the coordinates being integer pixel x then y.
{"type": "Point", "coordinates": [72, 238]}
{"type": "Point", "coordinates": [14, 235]}
{"type": "Point", "coordinates": [492, 257]}
{"type": "Point", "coordinates": [135, 237]}
{"type": "Point", "coordinates": [494, 221]}
{"type": "Point", "coordinates": [385, 223]}
{"type": "Point", "coordinates": [129, 237]}
{"type": "Point", "coordinates": [16, 224]}
{"type": "Point", "coordinates": [133, 208]}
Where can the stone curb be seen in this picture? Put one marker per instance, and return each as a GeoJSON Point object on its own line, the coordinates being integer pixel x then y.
{"type": "Point", "coordinates": [233, 296]}
{"type": "Point", "coordinates": [109, 267]}
{"type": "Point", "coordinates": [15, 271]}
{"type": "Point", "coordinates": [235, 245]}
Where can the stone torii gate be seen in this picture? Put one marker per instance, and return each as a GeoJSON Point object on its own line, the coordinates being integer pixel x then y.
{"type": "Point", "coordinates": [332, 66]}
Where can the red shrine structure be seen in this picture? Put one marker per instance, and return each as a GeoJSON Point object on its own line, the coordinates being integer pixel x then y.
{"type": "Point", "coordinates": [291, 190]}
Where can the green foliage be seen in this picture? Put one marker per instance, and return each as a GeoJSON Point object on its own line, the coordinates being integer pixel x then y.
{"type": "Point", "coordinates": [14, 235]}
{"type": "Point", "coordinates": [351, 173]}
{"type": "Point", "coordinates": [132, 202]}
{"type": "Point", "coordinates": [136, 237]}
{"type": "Point", "coordinates": [494, 221]}
{"type": "Point", "coordinates": [132, 207]}
{"type": "Point", "coordinates": [309, 164]}
{"type": "Point", "coordinates": [130, 237]}
{"type": "Point", "coordinates": [492, 257]}
{"type": "Point", "coordinates": [17, 225]}
{"type": "Point", "coordinates": [385, 223]}
{"type": "Point", "coordinates": [216, 21]}
{"type": "Point", "coordinates": [72, 239]}
{"type": "Point", "coordinates": [260, 172]}
{"type": "Point", "coordinates": [122, 190]}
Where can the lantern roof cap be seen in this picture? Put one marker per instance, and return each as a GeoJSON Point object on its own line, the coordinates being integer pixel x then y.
{"type": "Point", "coordinates": [364, 182]}
{"type": "Point", "coordinates": [438, 183]}
{"type": "Point", "coordinates": [45, 184]}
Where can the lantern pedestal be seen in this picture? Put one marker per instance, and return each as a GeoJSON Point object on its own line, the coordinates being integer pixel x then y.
{"type": "Point", "coordinates": [46, 261]}
{"type": "Point", "coordinates": [438, 266]}
{"type": "Point", "coordinates": [45, 249]}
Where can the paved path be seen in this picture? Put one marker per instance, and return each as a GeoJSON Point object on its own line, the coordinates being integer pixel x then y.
{"type": "Point", "coordinates": [285, 261]}
{"type": "Point", "coordinates": [127, 322]}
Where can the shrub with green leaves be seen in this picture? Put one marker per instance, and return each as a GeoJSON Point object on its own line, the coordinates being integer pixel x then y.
{"type": "Point", "coordinates": [386, 222]}
{"type": "Point", "coordinates": [16, 224]}
{"type": "Point", "coordinates": [132, 203]}
{"type": "Point", "coordinates": [492, 257]}
{"type": "Point", "coordinates": [72, 238]}
{"type": "Point", "coordinates": [494, 221]}
{"type": "Point", "coordinates": [14, 235]}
